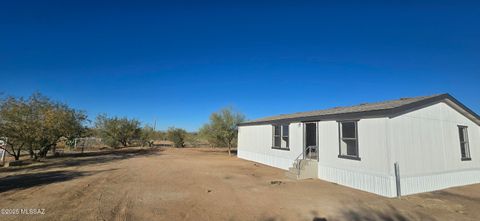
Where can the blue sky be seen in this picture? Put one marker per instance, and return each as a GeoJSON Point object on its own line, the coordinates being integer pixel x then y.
{"type": "Point", "coordinates": [178, 62]}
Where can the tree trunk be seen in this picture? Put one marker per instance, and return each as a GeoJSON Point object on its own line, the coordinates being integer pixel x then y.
{"type": "Point", "coordinates": [124, 143]}
{"type": "Point", "coordinates": [44, 150]}
{"type": "Point", "coordinates": [13, 153]}
{"type": "Point", "coordinates": [41, 153]}
{"type": "Point", "coordinates": [229, 151]}
{"type": "Point", "coordinates": [17, 155]}
{"type": "Point", "coordinates": [30, 150]}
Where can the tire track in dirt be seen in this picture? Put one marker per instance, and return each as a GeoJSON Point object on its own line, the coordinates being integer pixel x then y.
{"type": "Point", "coordinates": [84, 197]}
{"type": "Point", "coordinates": [87, 195]}
{"type": "Point", "coordinates": [113, 197]}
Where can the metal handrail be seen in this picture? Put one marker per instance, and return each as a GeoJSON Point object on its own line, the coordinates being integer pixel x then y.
{"type": "Point", "coordinates": [298, 163]}
{"type": "Point", "coordinates": [303, 154]}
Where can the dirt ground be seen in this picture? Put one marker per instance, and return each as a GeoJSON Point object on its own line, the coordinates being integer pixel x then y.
{"type": "Point", "coordinates": [203, 184]}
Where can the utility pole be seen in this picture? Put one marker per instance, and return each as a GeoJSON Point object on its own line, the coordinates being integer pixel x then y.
{"type": "Point", "coordinates": [154, 123]}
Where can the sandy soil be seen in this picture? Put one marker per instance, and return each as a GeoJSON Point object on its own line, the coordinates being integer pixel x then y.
{"type": "Point", "coordinates": [204, 184]}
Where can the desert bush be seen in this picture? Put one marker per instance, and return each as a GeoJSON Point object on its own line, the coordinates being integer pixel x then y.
{"type": "Point", "coordinates": [193, 139]}
{"type": "Point", "coordinates": [222, 129]}
{"type": "Point", "coordinates": [177, 136]}
{"type": "Point", "coordinates": [115, 131]}
{"type": "Point", "coordinates": [147, 136]}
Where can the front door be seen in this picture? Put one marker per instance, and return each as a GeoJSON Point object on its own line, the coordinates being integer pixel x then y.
{"type": "Point", "coordinates": [311, 145]}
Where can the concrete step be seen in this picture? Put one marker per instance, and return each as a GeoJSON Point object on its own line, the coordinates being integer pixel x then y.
{"type": "Point", "coordinates": [301, 176]}
{"type": "Point", "coordinates": [293, 170]}
{"type": "Point", "coordinates": [291, 175]}
{"type": "Point", "coordinates": [303, 163]}
{"type": "Point", "coordinates": [308, 169]}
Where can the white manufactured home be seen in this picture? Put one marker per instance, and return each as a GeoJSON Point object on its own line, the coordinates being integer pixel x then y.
{"type": "Point", "coordinates": [391, 148]}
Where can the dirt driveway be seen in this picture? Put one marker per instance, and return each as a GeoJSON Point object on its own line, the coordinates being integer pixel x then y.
{"type": "Point", "coordinates": [203, 184]}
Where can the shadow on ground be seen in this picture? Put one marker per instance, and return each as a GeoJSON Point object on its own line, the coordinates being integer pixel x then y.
{"type": "Point", "coordinates": [364, 213]}
{"type": "Point", "coordinates": [24, 181]}
{"type": "Point", "coordinates": [450, 195]}
{"type": "Point", "coordinates": [82, 159]}
{"type": "Point", "coordinates": [219, 150]}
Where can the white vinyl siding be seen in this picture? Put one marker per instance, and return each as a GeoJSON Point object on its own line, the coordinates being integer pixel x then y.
{"type": "Point", "coordinates": [255, 143]}
{"type": "Point", "coordinates": [425, 143]}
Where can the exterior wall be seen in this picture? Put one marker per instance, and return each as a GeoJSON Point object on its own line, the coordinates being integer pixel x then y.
{"type": "Point", "coordinates": [426, 144]}
{"type": "Point", "coordinates": [255, 144]}
{"type": "Point", "coordinates": [372, 173]}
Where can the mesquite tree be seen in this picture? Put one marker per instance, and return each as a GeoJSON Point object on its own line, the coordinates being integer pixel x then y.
{"type": "Point", "coordinates": [36, 124]}
{"type": "Point", "coordinates": [222, 129]}
{"type": "Point", "coordinates": [177, 136]}
{"type": "Point", "coordinates": [116, 131]}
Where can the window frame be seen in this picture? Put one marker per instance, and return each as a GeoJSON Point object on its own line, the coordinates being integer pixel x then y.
{"type": "Point", "coordinates": [340, 139]}
{"type": "Point", "coordinates": [287, 147]}
{"type": "Point", "coordinates": [465, 142]}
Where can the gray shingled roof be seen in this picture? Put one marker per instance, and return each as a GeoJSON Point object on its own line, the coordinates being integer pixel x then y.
{"type": "Point", "coordinates": [361, 108]}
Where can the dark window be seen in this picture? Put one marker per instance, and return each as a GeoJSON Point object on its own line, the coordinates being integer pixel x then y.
{"type": "Point", "coordinates": [276, 136]}
{"type": "Point", "coordinates": [281, 136]}
{"type": "Point", "coordinates": [464, 147]}
{"type": "Point", "coordinates": [285, 131]}
{"type": "Point", "coordinates": [348, 140]}
{"type": "Point", "coordinates": [348, 130]}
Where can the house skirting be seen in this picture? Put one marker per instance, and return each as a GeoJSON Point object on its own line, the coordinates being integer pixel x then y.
{"type": "Point", "coordinates": [384, 185]}
{"type": "Point", "coordinates": [432, 182]}
{"type": "Point", "coordinates": [274, 161]}
{"type": "Point", "coordinates": [374, 183]}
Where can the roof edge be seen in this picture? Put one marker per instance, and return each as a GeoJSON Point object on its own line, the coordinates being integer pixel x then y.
{"type": "Point", "coordinates": [393, 112]}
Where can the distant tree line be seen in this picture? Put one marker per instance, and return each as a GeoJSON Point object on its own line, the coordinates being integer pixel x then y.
{"type": "Point", "coordinates": [37, 124]}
